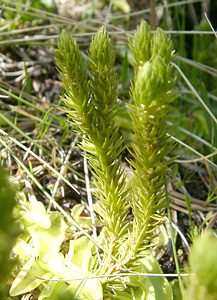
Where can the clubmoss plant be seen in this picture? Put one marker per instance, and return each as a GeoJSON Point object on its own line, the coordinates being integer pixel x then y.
{"type": "Point", "coordinates": [151, 93]}
{"type": "Point", "coordinates": [202, 267]}
{"type": "Point", "coordinates": [92, 105]}
{"type": "Point", "coordinates": [91, 98]}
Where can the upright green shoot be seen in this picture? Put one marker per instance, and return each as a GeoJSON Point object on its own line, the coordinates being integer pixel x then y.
{"type": "Point", "coordinates": [151, 92]}
{"type": "Point", "coordinates": [91, 98]}
{"type": "Point", "coordinates": [201, 282]}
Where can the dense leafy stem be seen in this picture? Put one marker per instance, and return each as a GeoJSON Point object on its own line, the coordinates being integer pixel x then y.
{"type": "Point", "coordinates": [92, 103]}
{"type": "Point", "coordinates": [75, 81]}
{"type": "Point", "coordinates": [202, 283]}
{"type": "Point", "coordinates": [151, 92]}
{"type": "Point", "coordinates": [140, 45]}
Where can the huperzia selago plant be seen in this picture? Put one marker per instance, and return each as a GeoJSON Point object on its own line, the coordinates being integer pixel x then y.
{"type": "Point", "coordinates": [50, 255]}
{"type": "Point", "coordinates": [151, 93]}
{"type": "Point", "coordinates": [202, 267]}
